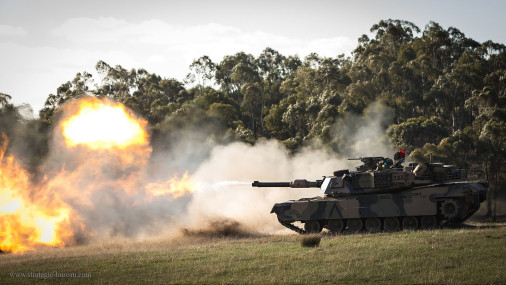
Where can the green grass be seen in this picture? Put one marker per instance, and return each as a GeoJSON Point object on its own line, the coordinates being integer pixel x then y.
{"type": "Point", "coordinates": [470, 255]}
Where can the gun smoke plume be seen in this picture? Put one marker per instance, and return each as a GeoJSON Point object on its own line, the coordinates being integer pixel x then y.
{"type": "Point", "coordinates": [101, 179]}
{"type": "Point", "coordinates": [270, 161]}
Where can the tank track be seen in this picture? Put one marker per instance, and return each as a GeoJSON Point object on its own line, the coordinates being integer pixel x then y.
{"type": "Point", "coordinates": [292, 227]}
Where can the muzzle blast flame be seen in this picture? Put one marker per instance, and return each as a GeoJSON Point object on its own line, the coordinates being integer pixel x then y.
{"type": "Point", "coordinates": [97, 182]}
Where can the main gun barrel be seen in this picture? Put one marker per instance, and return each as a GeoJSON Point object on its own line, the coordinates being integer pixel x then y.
{"type": "Point", "coordinates": [270, 184]}
{"type": "Point", "coordinates": [298, 183]}
{"type": "Point", "coordinates": [371, 158]}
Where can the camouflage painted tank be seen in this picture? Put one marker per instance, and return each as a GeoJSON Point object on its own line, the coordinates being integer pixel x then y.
{"type": "Point", "coordinates": [382, 195]}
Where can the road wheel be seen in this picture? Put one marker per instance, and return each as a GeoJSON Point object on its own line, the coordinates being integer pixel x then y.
{"type": "Point", "coordinates": [355, 225]}
{"type": "Point", "coordinates": [312, 227]}
{"type": "Point", "coordinates": [335, 226]}
{"type": "Point", "coordinates": [391, 224]}
{"type": "Point", "coordinates": [428, 222]}
{"type": "Point", "coordinates": [410, 223]}
{"type": "Point", "coordinates": [373, 225]}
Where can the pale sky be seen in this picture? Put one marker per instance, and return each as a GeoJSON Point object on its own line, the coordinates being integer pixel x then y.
{"type": "Point", "coordinates": [45, 43]}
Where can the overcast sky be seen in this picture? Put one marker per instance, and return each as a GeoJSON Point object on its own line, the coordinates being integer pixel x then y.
{"type": "Point", "coordinates": [45, 43]}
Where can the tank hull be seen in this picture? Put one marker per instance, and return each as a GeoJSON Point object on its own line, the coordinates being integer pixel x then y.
{"type": "Point", "coordinates": [441, 204]}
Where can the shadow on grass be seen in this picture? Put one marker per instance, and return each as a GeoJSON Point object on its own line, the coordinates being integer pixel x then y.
{"type": "Point", "coordinates": [485, 219]}
{"type": "Point", "coordinates": [476, 227]}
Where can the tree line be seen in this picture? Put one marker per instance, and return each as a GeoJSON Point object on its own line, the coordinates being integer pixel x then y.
{"type": "Point", "coordinates": [447, 92]}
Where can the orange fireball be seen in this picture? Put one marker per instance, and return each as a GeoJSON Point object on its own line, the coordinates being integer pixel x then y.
{"type": "Point", "coordinates": [104, 124]}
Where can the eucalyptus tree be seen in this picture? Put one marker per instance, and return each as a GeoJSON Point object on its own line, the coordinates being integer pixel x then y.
{"type": "Point", "coordinates": [270, 65]}
{"type": "Point", "coordinates": [4, 99]}
{"type": "Point", "coordinates": [290, 65]}
{"type": "Point", "coordinates": [202, 70]}
{"type": "Point", "coordinates": [71, 89]}
{"type": "Point", "coordinates": [254, 103]}
{"type": "Point", "coordinates": [392, 34]}
{"type": "Point", "coordinates": [489, 107]}
{"type": "Point", "coordinates": [116, 82]}
{"type": "Point", "coordinates": [235, 70]}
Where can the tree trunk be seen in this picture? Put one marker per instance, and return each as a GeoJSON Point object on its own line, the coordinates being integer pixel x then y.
{"type": "Point", "coordinates": [489, 192]}
{"type": "Point", "coordinates": [252, 118]}
{"type": "Point", "coordinates": [262, 117]}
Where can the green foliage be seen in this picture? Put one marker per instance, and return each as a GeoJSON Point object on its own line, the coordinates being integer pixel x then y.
{"type": "Point", "coordinates": [4, 99]}
{"type": "Point", "coordinates": [274, 123]}
{"type": "Point", "coordinates": [244, 134]}
{"type": "Point", "coordinates": [26, 139]}
{"type": "Point", "coordinates": [202, 70]}
{"type": "Point", "coordinates": [225, 113]}
{"type": "Point", "coordinates": [416, 131]}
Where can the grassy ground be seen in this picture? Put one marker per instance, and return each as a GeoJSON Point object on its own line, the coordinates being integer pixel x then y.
{"type": "Point", "coordinates": [472, 254]}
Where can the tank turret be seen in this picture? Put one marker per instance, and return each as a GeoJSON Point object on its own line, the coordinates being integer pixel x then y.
{"type": "Point", "coordinates": [373, 163]}
{"type": "Point", "coordinates": [382, 195]}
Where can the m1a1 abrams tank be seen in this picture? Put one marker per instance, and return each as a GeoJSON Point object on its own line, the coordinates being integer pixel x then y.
{"type": "Point", "coordinates": [382, 195]}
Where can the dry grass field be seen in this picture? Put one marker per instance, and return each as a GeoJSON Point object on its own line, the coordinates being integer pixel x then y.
{"type": "Point", "coordinates": [472, 254]}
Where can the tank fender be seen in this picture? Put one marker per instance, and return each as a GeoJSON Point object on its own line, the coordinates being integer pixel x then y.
{"type": "Point", "coordinates": [279, 208]}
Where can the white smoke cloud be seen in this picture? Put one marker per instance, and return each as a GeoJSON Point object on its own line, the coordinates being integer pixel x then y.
{"type": "Point", "coordinates": [364, 135]}
{"type": "Point", "coordinates": [266, 161]}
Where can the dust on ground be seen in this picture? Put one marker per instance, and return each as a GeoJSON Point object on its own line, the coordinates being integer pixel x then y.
{"type": "Point", "coordinates": [220, 227]}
